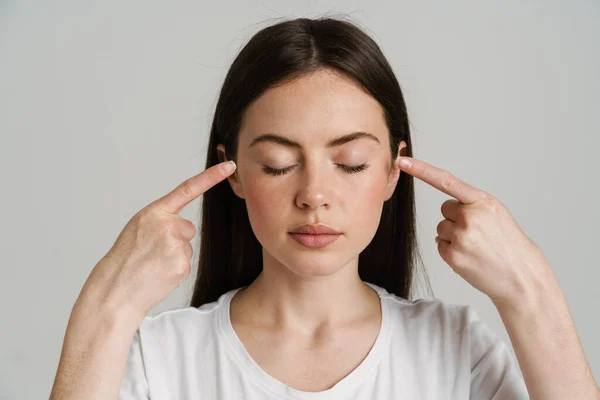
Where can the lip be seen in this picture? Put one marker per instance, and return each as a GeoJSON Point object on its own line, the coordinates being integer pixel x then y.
{"type": "Point", "coordinates": [315, 236]}
{"type": "Point", "coordinates": [314, 241]}
{"type": "Point", "coordinates": [315, 230]}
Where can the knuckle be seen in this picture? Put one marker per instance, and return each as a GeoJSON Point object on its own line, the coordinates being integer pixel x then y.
{"type": "Point", "coordinates": [185, 189]}
{"type": "Point", "coordinates": [170, 224]}
{"type": "Point", "coordinates": [177, 244]}
{"type": "Point", "coordinates": [172, 246]}
{"type": "Point", "coordinates": [211, 176]}
{"type": "Point", "coordinates": [182, 269]}
{"type": "Point", "coordinates": [465, 239]}
{"type": "Point", "coordinates": [142, 225]}
{"type": "Point", "coordinates": [190, 227]}
{"type": "Point", "coordinates": [440, 228]}
{"type": "Point", "coordinates": [458, 236]}
{"type": "Point", "coordinates": [150, 220]}
{"type": "Point", "coordinates": [448, 181]}
{"type": "Point", "coordinates": [166, 228]}
{"type": "Point", "coordinates": [491, 203]}
{"type": "Point", "coordinates": [189, 250]}
{"type": "Point", "coordinates": [463, 217]}
{"type": "Point", "coordinates": [142, 216]}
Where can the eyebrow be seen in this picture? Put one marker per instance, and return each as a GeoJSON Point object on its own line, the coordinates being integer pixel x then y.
{"type": "Point", "coordinates": [273, 138]}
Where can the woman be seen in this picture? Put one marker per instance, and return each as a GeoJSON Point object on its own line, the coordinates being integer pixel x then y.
{"type": "Point", "coordinates": [307, 256]}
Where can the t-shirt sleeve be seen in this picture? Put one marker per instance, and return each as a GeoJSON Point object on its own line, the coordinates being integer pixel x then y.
{"type": "Point", "coordinates": [134, 385]}
{"type": "Point", "coordinates": [495, 372]}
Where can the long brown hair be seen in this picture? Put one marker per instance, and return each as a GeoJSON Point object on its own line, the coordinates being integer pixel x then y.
{"type": "Point", "coordinates": [230, 255]}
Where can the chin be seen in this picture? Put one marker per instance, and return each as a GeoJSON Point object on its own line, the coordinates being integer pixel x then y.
{"type": "Point", "coordinates": [313, 270]}
{"type": "Point", "coordinates": [307, 264]}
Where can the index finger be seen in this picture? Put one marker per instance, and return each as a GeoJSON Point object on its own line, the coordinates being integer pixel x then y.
{"type": "Point", "coordinates": [174, 201]}
{"type": "Point", "coordinates": [442, 180]}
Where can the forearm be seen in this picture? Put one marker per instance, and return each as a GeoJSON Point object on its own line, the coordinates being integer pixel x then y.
{"type": "Point", "coordinates": [547, 347]}
{"type": "Point", "coordinates": [93, 357]}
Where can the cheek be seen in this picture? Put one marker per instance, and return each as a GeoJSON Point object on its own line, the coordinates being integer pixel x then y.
{"type": "Point", "coordinates": [260, 193]}
{"type": "Point", "coordinates": [366, 210]}
{"type": "Point", "coordinates": [369, 192]}
{"type": "Point", "coordinates": [263, 208]}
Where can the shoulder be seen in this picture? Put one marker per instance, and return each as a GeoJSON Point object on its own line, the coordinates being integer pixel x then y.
{"type": "Point", "coordinates": [432, 316]}
{"type": "Point", "coordinates": [185, 324]}
{"type": "Point", "coordinates": [426, 309]}
{"type": "Point", "coordinates": [174, 322]}
{"type": "Point", "coordinates": [179, 316]}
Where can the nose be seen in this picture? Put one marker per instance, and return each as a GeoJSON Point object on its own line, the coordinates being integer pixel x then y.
{"type": "Point", "coordinates": [314, 191]}
{"type": "Point", "coordinates": [311, 199]}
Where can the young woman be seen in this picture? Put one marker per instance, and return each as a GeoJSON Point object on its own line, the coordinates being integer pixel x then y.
{"type": "Point", "coordinates": [308, 249]}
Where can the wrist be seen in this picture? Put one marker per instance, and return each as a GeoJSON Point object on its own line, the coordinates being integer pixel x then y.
{"type": "Point", "coordinates": [97, 300]}
{"type": "Point", "coordinates": [109, 315]}
{"type": "Point", "coordinates": [532, 295]}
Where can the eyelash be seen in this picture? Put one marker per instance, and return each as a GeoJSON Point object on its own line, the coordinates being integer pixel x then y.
{"type": "Point", "coordinates": [348, 169]}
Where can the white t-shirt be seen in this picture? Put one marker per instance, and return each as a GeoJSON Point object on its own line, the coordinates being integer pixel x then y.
{"type": "Point", "coordinates": [425, 349]}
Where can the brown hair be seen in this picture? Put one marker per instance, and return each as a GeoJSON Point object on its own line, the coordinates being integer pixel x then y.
{"type": "Point", "coordinates": [230, 254]}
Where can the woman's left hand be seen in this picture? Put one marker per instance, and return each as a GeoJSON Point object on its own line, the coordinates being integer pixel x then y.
{"type": "Point", "coordinates": [481, 240]}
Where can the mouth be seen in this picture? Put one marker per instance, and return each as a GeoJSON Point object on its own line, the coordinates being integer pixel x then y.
{"type": "Point", "coordinates": [315, 230]}
{"type": "Point", "coordinates": [314, 241]}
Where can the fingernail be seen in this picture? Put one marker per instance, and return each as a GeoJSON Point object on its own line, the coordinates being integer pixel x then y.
{"type": "Point", "coordinates": [228, 167]}
{"type": "Point", "coordinates": [404, 162]}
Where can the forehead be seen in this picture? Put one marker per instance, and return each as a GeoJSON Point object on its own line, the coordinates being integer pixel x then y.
{"type": "Point", "coordinates": [318, 106]}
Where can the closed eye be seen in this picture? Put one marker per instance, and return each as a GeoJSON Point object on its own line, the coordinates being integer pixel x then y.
{"type": "Point", "coordinates": [346, 168]}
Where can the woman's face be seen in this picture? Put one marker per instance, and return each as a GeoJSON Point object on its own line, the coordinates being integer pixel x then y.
{"type": "Point", "coordinates": [285, 186]}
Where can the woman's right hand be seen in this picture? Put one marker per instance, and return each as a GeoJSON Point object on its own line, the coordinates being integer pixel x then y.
{"type": "Point", "coordinates": [151, 256]}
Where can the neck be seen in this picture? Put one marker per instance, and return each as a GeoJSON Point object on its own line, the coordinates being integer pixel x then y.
{"type": "Point", "coordinates": [282, 299]}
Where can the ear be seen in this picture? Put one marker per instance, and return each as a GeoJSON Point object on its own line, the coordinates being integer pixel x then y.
{"type": "Point", "coordinates": [394, 173]}
{"type": "Point", "coordinates": [234, 179]}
